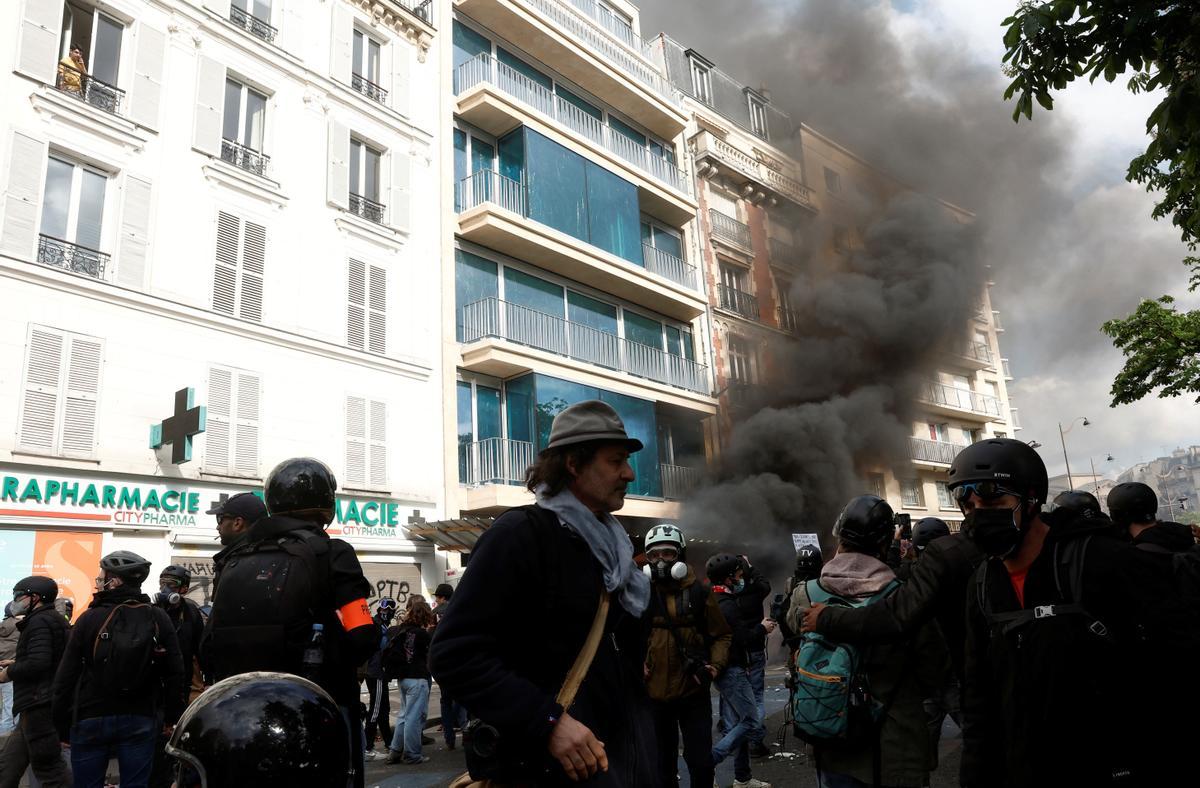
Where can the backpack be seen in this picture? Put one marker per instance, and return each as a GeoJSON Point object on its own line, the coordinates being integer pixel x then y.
{"type": "Point", "coordinates": [124, 651]}
{"type": "Point", "coordinates": [832, 702]}
{"type": "Point", "coordinates": [397, 655]}
{"type": "Point", "coordinates": [270, 595]}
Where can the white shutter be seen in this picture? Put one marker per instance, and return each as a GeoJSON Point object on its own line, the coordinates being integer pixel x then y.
{"type": "Point", "coordinates": [135, 231]}
{"type": "Point", "coordinates": [254, 255]}
{"type": "Point", "coordinates": [377, 440]}
{"type": "Point", "coordinates": [210, 101]}
{"type": "Point", "coordinates": [356, 305]}
{"type": "Point", "coordinates": [224, 294]}
{"type": "Point", "coordinates": [146, 90]}
{"type": "Point", "coordinates": [341, 51]}
{"type": "Point", "coordinates": [377, 310]}
{"type": "Point", "coordinates": [39, 400]}
{"type": "Point", "coordinates": [401, 165]}
{"type": "Point", "coordinates": [83, 388]}
{"type": "Point", "coordinates": [37, 50]}
{"type": "Point", "coordinates": [339, 166]}
{"type": "Point", "coordinates": [401, 76]}
{"type": "Point", "coordinates": [245, 452]}
{"type": "Point", "coordinates": [217, 430]}
{"type": "Point", "coordinates": [22, 195]}
{"type": "Point", "coordinates": [356, 441]}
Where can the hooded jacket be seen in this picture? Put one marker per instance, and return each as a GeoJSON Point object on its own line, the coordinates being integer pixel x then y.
{"type": "Point", "coordinates": [43, 639]}
{"type": "Point", "coordinates": [700, 633]}
{"type": "Point", "coordinates": [9, 635]}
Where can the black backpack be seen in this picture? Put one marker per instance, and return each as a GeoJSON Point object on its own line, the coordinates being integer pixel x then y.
{"type": "Point", "coordinates": [125, 650]}
{"type": "Point", "coordinates": [270, 595]}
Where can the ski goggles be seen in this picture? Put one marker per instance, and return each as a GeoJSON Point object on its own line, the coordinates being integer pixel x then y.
{"type": "Point", "coordinates": [985, 491]}
{"type": "Point", "coordinates": [387, 603]}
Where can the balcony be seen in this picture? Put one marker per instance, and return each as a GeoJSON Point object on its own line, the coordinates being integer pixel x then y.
{"type": "Point", "coordinates": [582, 48]}
{"type": "Point", "coordinates": [741, 396]}
{"type": "Point", "coordinates": [730, 230]}
{"type": "Point", "coordinates": [244, 158]}
{"type": "Point", "coordinates": [252, 24]}
{"type": "Point", "coordinates": [1004, 367]}
{"type": "Point", "coordinates": [366, 208]}
{"type": "Point", "coordinates": [70, 257]}
{"type": "Point", "coordinates": [738, 302]}
{"type": "Point", "coordinates": [932, 452]}
{"type": "Point", "coordinates": [493, 212]}
{"type": "Point", "coordinates": [368, 88]}
{"type": "Point", "coordinates": [789, 320]}
{"type": "Point", "coordinates": [498, 319]}
{"type": "Point", "coordinates": [678, 481]}
{"type": "Point", "coordinates": [944, 398]}
{"type": "Point", "coordinates": [972, 355]}
{"type": "Point", "coordinates": [494, 461]}
{"type": "Point", "coordinates": [719, 155]}
{"type": "Point", "coordinates": [421, 10]}
{"type": "Point", "coordinates": [1016, 420]}
{"type": "Point", "coordinates": [783, 253]}
{"type": "Point", "coordinates": [996, 322]}
{"type": "Point", "coordinates": [88, 89]}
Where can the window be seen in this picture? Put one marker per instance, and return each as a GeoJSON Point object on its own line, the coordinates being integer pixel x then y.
{"type": "Point", "coordinates": [364, 181]}
{"type": "Point", "coordinates": [741, 360]}
{"type": "Point", "coordinates": [364, 72]}
{"type": "Point", "coordinates": [970, 436]}
{"type": "Point", "coordinates": [484, 457]}
{"type": "Point", "coordinates": [758, 115]}
{"type": "Point", "coordinates": [366, 442]}
{"type": "Point", "coordinates": [833, 182]}
{"type": "Point", "coordinates": [939, 432]}
{"type": "Point", "coordinates": [253, 16]}
{"type": "Point", "coordinates": [911, 494]}
{"type": "Point", "coordinates": [733, 277]}
{"type": "Point", "coordinates": [231, 436]}
{"type": "Point", "coordinates": [875, 485]}
{"type": "Point", "coordinates": [73, 218]}
{"type": "Point", "coordinates": [701, 81]}
{"type": "Point", "coordinates": [366, 307]}
{"type": "Point", "coordinates": [59, 398]}
{"type": "Point", "coordinates": [945, 500]}
{"type": "Point", "coordinates": [98, 37]}
{"type": "Point", "coordinates": [242, 127]}
{"type": "Point", "coordinates": [240, 264]}
{"type": "Point", "coordinates": [614, 21]}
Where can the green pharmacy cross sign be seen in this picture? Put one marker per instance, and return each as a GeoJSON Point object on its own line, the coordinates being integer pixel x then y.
{"type": "Point", "coordinates": [178, 429]}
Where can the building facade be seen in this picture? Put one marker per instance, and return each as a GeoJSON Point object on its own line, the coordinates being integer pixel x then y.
{"type": "Point", "coordinates": [233, 200]}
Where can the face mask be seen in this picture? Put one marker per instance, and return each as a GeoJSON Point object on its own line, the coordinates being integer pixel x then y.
{"type": "Point", "coordinates": [20, 607]}
{"type": "Point", "coordinates": [665, 570]}
{"type": "Point", "coordinates": [994, 531]}
{"type": "Point", "coordinates": [167, 597]}
{"type": "Point", "coordinates": [739, 586]}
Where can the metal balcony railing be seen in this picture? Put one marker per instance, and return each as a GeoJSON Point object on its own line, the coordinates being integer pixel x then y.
{"type": "Point", "coordinates": [494, 461]}
{"type": "Point", "coordinates": [256, 27]}
{"type": "Point", "coordinates": [941, 452]}
{"type": "Point", "coordinates": [735, 300]}
{"type": "Point", "coordinates": [960, 399]}
{"type": "Point", "coordinates": [87, 88]}
{"type": "Point", "coordinates": [789, 320]}
{"type": "Point", "coordinates": [492, 317]}
{"type": "Point", "coordinates": [740, 394]}
{"type": "Point", "coordinates": [368, 88]}
{"type": "Point", "coordinates": [485, 68]}
{"type": "Point", "coordinates": [1016, 420]}
{"type": "Point", "coordinates": [490, 186]}
{"type": "Point", "coordinates": [367, 209]}
{"type": "Point", "coordinates": [1007, 371]}
{"type": "Point", "coordinates": [77, 259]}
{"type": "Point", "coordinates": [679, 480]}
{"type": "Point", "coordinates": [996, 321]}
{"type": "Point", "coordinates": [782, 252]}
{"type": "Point", "coordinates": [422, 10]}
{"type": "Point", "coordinates": [729, 229]}
{"type": "Point", "coordinates": [668, 266]}
{"type": "Point", "coordinates": [244, 158]}
{"type": "Point", "coordinates": [978, 351]}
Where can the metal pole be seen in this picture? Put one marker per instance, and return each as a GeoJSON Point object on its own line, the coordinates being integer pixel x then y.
{"type": "Point", "coordinates": [1095, 484]}
{"type": "Point", "coordinates": [1061, 437]}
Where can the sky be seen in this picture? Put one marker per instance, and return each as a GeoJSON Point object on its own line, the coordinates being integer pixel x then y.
{"type": "Point", "coordinates": [1069, 243]}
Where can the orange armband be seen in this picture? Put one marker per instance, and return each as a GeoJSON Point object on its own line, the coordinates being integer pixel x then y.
{"type": "Point", "coordinates": [355, 614]}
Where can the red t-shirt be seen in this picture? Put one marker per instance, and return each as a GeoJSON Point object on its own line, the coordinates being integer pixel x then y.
{"type": "Point", "coordinates": [1018, 583]}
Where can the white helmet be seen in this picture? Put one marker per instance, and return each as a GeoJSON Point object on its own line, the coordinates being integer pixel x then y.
{"type": "Point", "coordinates": [665, 533]}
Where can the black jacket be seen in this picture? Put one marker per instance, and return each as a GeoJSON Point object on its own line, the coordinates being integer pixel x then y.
{"type": "Point", "coordinates": [506, 660]}
{"type": "Point", "coordinates": [936, 588]}
{"type": "Point", "coordinates": [746, 625]}
{"type": "Point", "coordinates": [44, 634]}
{"type": "Point", "coordinates": [77, 697]}
{"type": "Point", "coordinates": [418, 667]}
{"type": "Point", "coordinates": [189, 628]}
{"type": "Point", "coordinates": [750, 603]}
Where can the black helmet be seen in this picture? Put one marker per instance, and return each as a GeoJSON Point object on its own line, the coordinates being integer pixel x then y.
{"type": "Point", "coordinates": [1080, 502]}
{"type": "Point", "coordinates": [928, 529]}
{"type": "Point", "coordinates": [179, 573]}
{"type": "Point", "coordinates": [808, 562]}
{"type": "Point", "coordinates": [721, 566]}
{"type": "Point", "coordinates": [1009, 463]}
{"type": "Point", "coordinates": [1132, 502]}
{"type": "Point", "coordinates": [301, 484]}
{"type": "Point", "coordinates": [44, 587]}
{"type": "Point", "coordinates": [264, 729]}
{"type": "Point", "coordinates": [130, 567]}
{"type": "Point", "coordinates": [866, 523]}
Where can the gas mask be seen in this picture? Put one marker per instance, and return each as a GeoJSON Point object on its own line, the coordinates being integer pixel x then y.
{"type": "Point", "coordinates": [994, 531]}
{"type": "Point", "coordinates": [665, 570]}
{"type": "Point", "coordinates": [167, 597]}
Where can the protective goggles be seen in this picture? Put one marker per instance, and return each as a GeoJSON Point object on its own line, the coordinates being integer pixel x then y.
{"type": "Point", "coordinates": [387, 603]}
{"type": "Point", "coordinates": [666, 553]}
{"type": "Point", "coordinates": [985, 490]}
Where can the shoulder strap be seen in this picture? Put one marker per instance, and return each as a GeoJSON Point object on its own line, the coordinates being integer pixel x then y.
{"type": "Point", "coordinates": [575, 676]}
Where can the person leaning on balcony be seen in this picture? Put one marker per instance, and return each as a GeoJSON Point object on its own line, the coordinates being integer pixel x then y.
{"type": "Point", "coordinates": [72, 70]}
{"type": "Point", "coordinates": [560, 557]}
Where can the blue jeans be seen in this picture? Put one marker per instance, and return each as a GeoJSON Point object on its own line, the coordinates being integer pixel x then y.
{"type": "Point", "coordinates": [743, 725]}
{"type": "Point", "coordinates": [410, 721]}
{"type": "Point", "coordinates": [131, 738]}
{"type": "Point", "coordinates": [758, 683]}
{"type": "Point", "coordinates": [6, 715]}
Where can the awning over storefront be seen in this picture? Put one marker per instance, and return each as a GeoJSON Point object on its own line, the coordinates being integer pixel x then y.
{"type": "Point", "coordinates": [455, 535]}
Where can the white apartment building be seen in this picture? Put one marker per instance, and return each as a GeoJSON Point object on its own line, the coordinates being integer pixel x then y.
{"type": "Point", "coordinates": [239, 199]}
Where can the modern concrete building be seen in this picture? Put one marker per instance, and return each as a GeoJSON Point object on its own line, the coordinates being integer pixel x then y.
{"type": "Point", "coordinates": [1175, 479]}
{"type": "Point", "coordinates": [238, 200]}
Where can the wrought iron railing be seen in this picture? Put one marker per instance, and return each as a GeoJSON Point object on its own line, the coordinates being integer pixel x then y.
{"type": "Point", "coordinates": [244, 158]}
{"type": "Point", "coordinates": [256, 27]}
{"type": "Point", "coordinates": [77, 259]}
{"type": "Point", "coordinates": [492, 317]}
{"type": "Point", "coordinates": [741, 395]}
{"type": "Point", "coordinates": [737, 301]}
{"type": "Point", "coordinates": [87, 88]}
{"type": "Point", "coordinates": [494, 461]}
{"type": "Point", "coordinates": [422, 10]}
{"type": "Point", "coordinates": [679, 480]}
{"type": "Point", "coordinates": [368, 88]}
{"type": "Point", "coordinates": [782, 252]}
{"type": "Point", "coordinates": [940, 452]}
{"type": "Point", "coordinates": [490, 186]}
{"type": "Point", "coordinates": [729, 229]}
{"type": "Point", "coordinates": [669, 266]}
{"type": "Point", "coordinates": [366, 208]}
{"type": "Point", "coordinates": [789, 320]}
{"type": "Point", "coordinates": [960, 399]}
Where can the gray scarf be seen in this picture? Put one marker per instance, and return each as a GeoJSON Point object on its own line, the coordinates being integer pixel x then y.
{"type": "Point", "coordinates": [609, 544]}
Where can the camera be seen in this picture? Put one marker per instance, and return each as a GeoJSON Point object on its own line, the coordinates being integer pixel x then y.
{"type": "Point", "coordinates": [904, 522]}
{"type": "Point", "coordinates": [779, 607]}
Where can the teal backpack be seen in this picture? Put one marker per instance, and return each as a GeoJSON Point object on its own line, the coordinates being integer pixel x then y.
{"type": "Point", "coordinates": [831, 702]}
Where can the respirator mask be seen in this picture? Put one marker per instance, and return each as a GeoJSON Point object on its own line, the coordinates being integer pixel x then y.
{"type": "Point", "coordinates": [663, 564]}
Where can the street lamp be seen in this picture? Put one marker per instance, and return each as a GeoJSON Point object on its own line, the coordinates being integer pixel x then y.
{"type": "Point", "coordinates": [1034, 445]}
{"type": "Point", "coordinates": [1096, 484]}
{"type": "Point", "coordinates": [1062, 437]}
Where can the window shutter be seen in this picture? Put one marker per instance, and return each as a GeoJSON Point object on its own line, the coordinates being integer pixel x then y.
{"type": "Point", "coordinates": [377, 439]}
{"type": "Point", "coordinates": [83, 389]}
{"type": "Point", "coordinates": [144, 95]}
{"type": "Point", "coordinates": [37, 53]}
{"type": "Point", "coordinates": [401, 76]}
{"type": "Point", "coordinates": [245, 454]}
{"type": "Point", "coordinates": [356, 441]}
{"type": "Point", "coordinates": [342, 49]}
{"type": "Point", "coordinates": [23, 194]}
{"type": "Point", "coordinates": [401, 165]}
{"type": "Point", "coordinates": [377, 311]}
{"type": "Point", "coordinates": [224, 296]}
{"type": "Point", "coordinates": [135, 231]}
{"type": "Point", "coordinates": [338, 186]}
{"type": "Point", "coordinates": [39, 400]}
{"type": "Point", "coordinates": [254, 254]}
{"type": "Point", "coordinates": [210, 101]}
{"type": "Point", "coordinates": [356, 305]}
{"type": "Point", "coordinates": [217, 428]}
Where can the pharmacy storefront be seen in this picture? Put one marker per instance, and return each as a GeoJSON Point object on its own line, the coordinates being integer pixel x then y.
{"type": "Point", "coordinates": [60, 524]}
